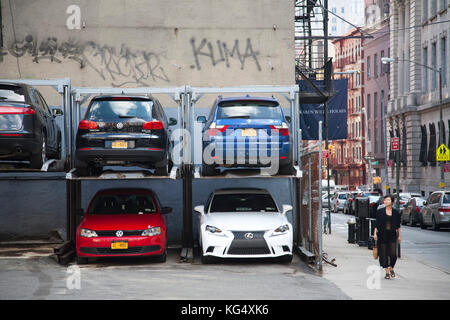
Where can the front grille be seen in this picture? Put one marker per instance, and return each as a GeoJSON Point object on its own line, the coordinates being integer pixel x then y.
{"type": "Point", "coordinates": [242, 245]}
{"type": "Point", "coordinates": [112, 233]}
{"type": "Point", "coordinates": [130, 250]}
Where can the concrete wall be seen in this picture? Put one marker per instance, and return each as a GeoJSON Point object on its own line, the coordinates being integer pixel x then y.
{"type": "Point", "coordinates": [150, 43]}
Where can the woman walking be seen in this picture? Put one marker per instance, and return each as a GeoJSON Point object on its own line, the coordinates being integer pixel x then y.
{"type": "Point", "coordinates": [386, 234]}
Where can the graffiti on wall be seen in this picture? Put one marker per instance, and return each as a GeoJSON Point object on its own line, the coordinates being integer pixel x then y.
{"type": "Point", "coordinates": [222, 52]}
{"type": "Point", "coordinates": [111, 64]}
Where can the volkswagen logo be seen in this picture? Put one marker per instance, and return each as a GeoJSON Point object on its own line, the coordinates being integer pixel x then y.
{"type": "Point", "coordinates": [119, 233]}
{"type": "Point", "coordinates": [248, 236]}
{"type": "Point", "coordinates": [119, 125]}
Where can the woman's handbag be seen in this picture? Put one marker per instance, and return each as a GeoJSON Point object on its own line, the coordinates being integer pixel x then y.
{"type": "Point", "coordinates": [375, 252]}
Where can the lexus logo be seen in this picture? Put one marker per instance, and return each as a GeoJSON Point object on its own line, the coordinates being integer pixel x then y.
{"type": "Point", "coordinates": [119, 233]}
{"type": "Point", "coordinates": [248, 236]}
{"type": "Point", "coordinates": [119, 125]}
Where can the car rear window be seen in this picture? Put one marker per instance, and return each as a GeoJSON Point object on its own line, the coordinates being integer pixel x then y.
{"type": "Point", "coordinates": [11, 93]}
{"type": "Point", "coordinates": [248, 110]}
{"type": "Point", "coordinates": [243, 203]}
{"type": "Point", "coordinates": [123, 204]}
{"type": "Point", "coordinates": [342, 196]}
{"type": "Point", "coordinates": [117, 110]}
{"type": "Point", "coordinates": [446, 198]}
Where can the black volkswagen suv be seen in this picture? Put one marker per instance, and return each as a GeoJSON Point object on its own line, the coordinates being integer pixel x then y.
{"type": "Point", "coordinates": [124, 131]}
{"type": "Point", "coordinates": [28, 129]}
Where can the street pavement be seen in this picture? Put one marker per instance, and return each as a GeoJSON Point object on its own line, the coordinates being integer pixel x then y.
{"type": "Point", "coordinates": [422, 271]}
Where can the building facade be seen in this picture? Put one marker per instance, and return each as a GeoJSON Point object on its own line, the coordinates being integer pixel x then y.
{"type": "Point", "coordinates": [419, 42]}
{"type": "Point", "coordinates": [376, 89]}
{"type": "Point", "coordinates": [347, 157]}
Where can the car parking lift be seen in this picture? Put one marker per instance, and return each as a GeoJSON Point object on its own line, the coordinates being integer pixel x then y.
{"type": "Point", "coordinates": [186, 98]}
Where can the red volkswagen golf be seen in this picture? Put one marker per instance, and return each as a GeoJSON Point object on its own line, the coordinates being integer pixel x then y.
{"type": "Point", "coordinates": [123, 222]}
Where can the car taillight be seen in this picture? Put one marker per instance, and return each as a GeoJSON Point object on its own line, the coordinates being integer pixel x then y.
{"type": "Point", "coordinates": [282, 130]}
{"type": "Point", "coordinates": [15, 110]}
{"type": "Point", "coordinates": [153, 125]}
{"type": "Point", "coordinates": [444, 209]}
{"type": "Point", "coordinates": [372, 204]}
{"type": "Point", "coordinates": [417, 209]}
{"type": "Point", "coordinates": [87, 125]}
{"type": "Point", "coordinates": [214, 129]}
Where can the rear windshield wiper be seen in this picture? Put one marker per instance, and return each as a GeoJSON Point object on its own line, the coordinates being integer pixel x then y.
{"type": "Point", "coordinates": [239, 117]}
{"type": "Point", "coordinates": [126, 117]}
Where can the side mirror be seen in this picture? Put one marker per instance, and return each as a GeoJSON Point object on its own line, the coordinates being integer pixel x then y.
{"type": "Point", "coordinates": [80, 212]}
{"type": "Point", "coordinates": [286, 208]}
{"type": "Point", "coordinates": [288, 119]}
{"type": "Point", "coordinates": [172, 122]}
{"type": "Point", "coordinates": [166, 210]}
{"type": "Point", "coordinates": [201, 119]}
{"type": "Point", "coordinates": [57, 112]}
{"type": "Point", "coordinates": [200, 209]}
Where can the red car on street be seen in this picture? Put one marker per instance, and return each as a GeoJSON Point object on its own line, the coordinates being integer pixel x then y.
{"type": "Point", "coordinates": [123, 222]}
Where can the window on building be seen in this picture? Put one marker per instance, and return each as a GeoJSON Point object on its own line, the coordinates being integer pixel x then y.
{"type": "Point", "coordinates": [375, 104]}
{"type": "Point", "coordinates": [382, 66]}
{"type": "Point", "coordinates": [424, 69]}
{"type": "Point", "coordinates": [368, 106]}
{"type": "Point", "coordinates": [425, 9]}
{"type": "Point", "coordinates": [423, 146]}
{"type": "Point", "coordinates": [444, 60]}
{"type": "Point", "coordinates": [375, 65]}
{"type": "Point", "coordinates": [368, 68]}
{"type": "Point", "coordinates": [375, 138]}
{"type": "Point", "coordinates": [443, 4]}
{"type": "Point", "coordinates": [342, 10]}
{"type": "Point", "coordinates": [433, 10]}
{"type": "Point", "coordinates": [433, 65]}
{"type": "Point", "coordinates": [432, 146]}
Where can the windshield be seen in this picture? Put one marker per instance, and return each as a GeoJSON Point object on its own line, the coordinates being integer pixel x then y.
{"type": "Point", "coordinates": [249, 110]}
{"type": "Point", "coordinates": [11, 93]}
{"type": "Point", "coordinates": [118, 110]}
{"type": "Point", "coordinates": [446, 198]}
{"type": "Point", "coordinates": [123, 204]}
{"type": "Point", "coordinates": [243, 203]}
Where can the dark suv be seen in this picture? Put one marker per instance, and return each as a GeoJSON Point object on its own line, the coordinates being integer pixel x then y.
{"type": "Point", "coordinates": [28, 129]}
{"type": "Point", "coordinates": [124, 130]}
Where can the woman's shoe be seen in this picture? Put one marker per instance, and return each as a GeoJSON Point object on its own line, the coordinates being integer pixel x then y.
{"type": "Point", "coordinates": [392, 273]}
{"type": "Point", "coordinates": [387, 276]}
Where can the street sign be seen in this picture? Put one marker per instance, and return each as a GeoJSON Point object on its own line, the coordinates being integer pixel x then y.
{"type": "Point", "coordinates": [441, 185]}
{"type": "Point", "coordinates": [395, 144]}
{"type": "Point", "coordinates": [447, 167]}
{"type": "Point", "coordinates": [376, 180]}
{"type": "Point", "coordinates": [325, 154]}
{"type": "Point", "coordinates": [374, 163]}
{"type": "Point", "coordinates": [442, 153]}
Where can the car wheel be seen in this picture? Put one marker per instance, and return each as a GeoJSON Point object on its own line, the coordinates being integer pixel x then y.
{"type": "Point", "coordinates": [434, 225]}
{"type": "Point", "coordinates": [286, 169]}
{"type": "Point", "coordinates": [162, 168]}
{"type": "Point", "coordinates": [208, 170]}
{"type": "Point", "coordinates": [286, 259]}
{"type": "Point", "coordinates": [422, 224]}
{"type": "Point", "coordinates": [204, 259]}
{"type": "Point", "coordinates": [38, 159]}
{"type": "Point", "coordinates": [403, 221]}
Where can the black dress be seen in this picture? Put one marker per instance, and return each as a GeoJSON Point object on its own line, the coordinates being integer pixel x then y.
{"type": "Point", "coordinates": [387, 236]}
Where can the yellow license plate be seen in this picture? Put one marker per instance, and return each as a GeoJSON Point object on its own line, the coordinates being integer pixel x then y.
{"type": "Point", "coordinates": [119, 144]}
{"type": "Point", "coordinates": [121, 245]}
{"type": "Point", "coordinates": [249, 133]}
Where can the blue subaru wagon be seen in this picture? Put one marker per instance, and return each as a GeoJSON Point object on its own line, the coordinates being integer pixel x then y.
{"type": "Point", "coordinates": [246, 132]}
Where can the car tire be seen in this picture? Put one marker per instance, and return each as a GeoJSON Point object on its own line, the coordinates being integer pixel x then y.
{"type": "Point", "coordinates": [162, 167]}
{"type": "Point", "coordinates": [204, 259]}
{"type": "Point", "coordinates": [38, 159]}
{"type": "Point", "coordinates": [422, 224]}
{"type": "Point", "coordinates": [434, 225]}
{"type": "Point", "coordinates": [208, 170]}
{"type": "Point", "coordinates": [286, 169]}
{"type": "Point", "coordinates": [411, 222]}
{"type": "Point", "coordinates": [286, 259]}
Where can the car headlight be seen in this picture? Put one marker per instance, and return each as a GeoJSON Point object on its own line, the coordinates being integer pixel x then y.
{"type": "Point", "coordinates": [280, 230]}
{"type": "Point", "coordinates": [86, 233]}
{"type": "Point", "coordinates": [213, 229]}
{"type": "Point", "coordinates": [151, 232]}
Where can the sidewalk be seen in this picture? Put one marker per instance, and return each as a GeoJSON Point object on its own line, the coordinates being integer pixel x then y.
{"type": "Point", "coordinates": [357, 272]}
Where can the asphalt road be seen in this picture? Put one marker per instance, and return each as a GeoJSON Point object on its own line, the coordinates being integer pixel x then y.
{"type": "Point", "coordinates": [427, 246]}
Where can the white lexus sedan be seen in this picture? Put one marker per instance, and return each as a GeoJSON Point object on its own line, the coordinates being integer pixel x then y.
{"type": "Point", "coordinates": [244, 223]}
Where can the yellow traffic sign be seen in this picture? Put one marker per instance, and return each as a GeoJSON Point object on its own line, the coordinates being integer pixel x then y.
{"type": "Point", "coordinates": [442, 153]}
{"type": "Point", "coordinates": [441, 185]}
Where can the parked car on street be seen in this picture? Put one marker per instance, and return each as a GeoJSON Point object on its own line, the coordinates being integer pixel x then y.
{"type": "Point", "coordinates": [244, 223]}
{"type": "Point", "coordinates": [123, 222]}
{"type": "Point", "coordinates": [241, 131]}
{"type": "Point", "coordinates": [338, 201]}
{"type": "Point", "coordinates": [28, 129]}
{"type": "Point", "coordinates": [411, 212]}
{"type": "Point", "coordinates": [436, 212]}
{"type": "Point", "coordinates": [124, 131]}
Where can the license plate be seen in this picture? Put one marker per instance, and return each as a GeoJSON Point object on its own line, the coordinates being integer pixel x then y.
{"type": "Point", "coordinates": [120, 144]}
{"type": "Point", "coordinates": [120, 245]}
{"type": "Point", "coordinates": [249, 132]}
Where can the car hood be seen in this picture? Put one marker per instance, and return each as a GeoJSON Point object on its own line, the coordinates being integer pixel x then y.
{"type": "Point", "coordinates": [122, 221]}
{"type": "Point", "coordinates": [245, 221]}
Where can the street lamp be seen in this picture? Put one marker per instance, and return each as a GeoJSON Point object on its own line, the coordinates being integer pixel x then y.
{"type": "Point", "coordinates": [386, 60]}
